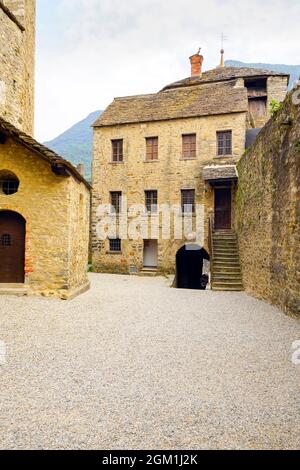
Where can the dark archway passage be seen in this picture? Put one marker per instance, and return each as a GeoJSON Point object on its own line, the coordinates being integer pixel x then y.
{"type": "Point", "coordinates": [12, 247]}
{"type": "Point", "coordinates": [189, 267]}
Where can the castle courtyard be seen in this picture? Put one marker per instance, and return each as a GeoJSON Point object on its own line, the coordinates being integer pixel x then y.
{"type": "Point", "coordinates": [135, 364]}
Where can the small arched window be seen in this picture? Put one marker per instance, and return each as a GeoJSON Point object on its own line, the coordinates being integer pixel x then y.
{"type": "Point", "coordinates": [5, 240]}
{"type": "Point", "coordinates": [9, 183]}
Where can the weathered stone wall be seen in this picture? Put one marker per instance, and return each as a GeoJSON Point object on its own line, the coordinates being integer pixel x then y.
{"type": "Point", "coordinates": [276, 89]}
{"type": "Point", "coordinates": [268, 211]}
{"type": "Point", "coordinates": [17, 60]}
{"type": "Point", "coordinates": [168, 175]}
{"type": "Point", "coordinates": [56, 227]}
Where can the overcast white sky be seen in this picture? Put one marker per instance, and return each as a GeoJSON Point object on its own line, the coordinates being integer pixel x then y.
{"type": "Point", "coordinates": [89, 51]}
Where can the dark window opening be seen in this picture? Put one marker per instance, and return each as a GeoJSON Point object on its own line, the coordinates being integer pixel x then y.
{"type": "Point", "coordinates": [116, 201]}
{"type": "Point", "coordinates": [257, 87]}
{"type": "Point", "coordinates": [117, 150]}
{"type": "Point", "coordinates": [189, 146]}
{"type": "Point", "coordinates": [9, 183]}
{"type": "Point", "coordinates": [189, 267]}
{"type": "Point", "coordinates": [5, 240]}
{"type": "Point", "coordinates": [152, 148]}
{"type": "Point", "coordinates": [115, 245]}
{"type": "Point", "coordinates": [224, 139]}
{"type": "Point", "coordinates": [188, 200]}
{"type": "Point", "coordinates": [151, 201]}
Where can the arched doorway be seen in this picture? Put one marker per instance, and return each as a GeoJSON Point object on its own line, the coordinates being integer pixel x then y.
{"type": "Point", "coordinates": [12, 247]}
{"type": "Point", "coordinates": [189, 267]}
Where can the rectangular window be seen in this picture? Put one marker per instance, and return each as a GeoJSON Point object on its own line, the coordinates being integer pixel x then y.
{"type": "Point", "coordinates": [116, 201]}
{"type": "Point", "coordinates": [115, 245]}
{"type": "Point", "coordinates": [224, 143]}
{"type": "Point", "coordinates": [151, 201]}
{"type": "Point", "coordinates": [188, 200]}
{"type": "Point", "coordinates": [117, 150]}
{"type": "Point", "coordinates": [189, 146]}
{"type": "Point", "coordinates": [151, 148]}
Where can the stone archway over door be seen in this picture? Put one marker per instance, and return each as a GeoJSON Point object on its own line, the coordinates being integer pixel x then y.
{"type": "Point", "coordinates": [12, 247]}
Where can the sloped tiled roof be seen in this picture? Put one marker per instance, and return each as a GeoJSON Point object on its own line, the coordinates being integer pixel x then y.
{"type": "Point", "coordinates": [204, 100]}
{"type": "Point", "coordinates": [45, 153]}
{"type": "Point", "coordinates": [221, 74]}
{"type": "Point", "coordinates": [219, 172]}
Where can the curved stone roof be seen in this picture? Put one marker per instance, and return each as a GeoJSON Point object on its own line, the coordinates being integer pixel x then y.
{"type": "Point", "coordinates": [221, 74]}
{"type": "Point", "coordinates": [180, 102]}
{"type": "Point", "coordinates": [46, 154]}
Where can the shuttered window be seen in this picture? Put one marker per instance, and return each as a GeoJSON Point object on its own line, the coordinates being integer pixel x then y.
{"type": "Point", "coordinates": [224, 140]}
{"type": "Point", "coordinates": [188, 200]}
{"type": "Point", "coordinates": [152, 148]}
{"type": "Point", "coordinates": [189, 146]}
{"type": "Point", "coordinates": [117, 150]}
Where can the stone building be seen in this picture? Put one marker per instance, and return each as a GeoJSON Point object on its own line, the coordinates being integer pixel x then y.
{"type": "Point", "coordinates": [17, 51]}
{"type": "Point", "coordinates": [179, 146]}
{"type": "Point", "coordinates": [44, 200]}
{"type": "Point", "coordinates": [268, 211]}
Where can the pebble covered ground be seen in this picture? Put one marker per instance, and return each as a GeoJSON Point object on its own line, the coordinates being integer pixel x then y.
{"type": "Point", "coordinates": [135, 364]}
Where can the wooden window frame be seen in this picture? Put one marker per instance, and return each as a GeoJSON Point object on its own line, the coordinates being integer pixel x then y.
{"type": "Point", "coordinates": [224, 145]}
{"type": "Point", "coordinates": [188, 201]}
{"type": "Point", "coordinates": [117, 146]}
{"type": "Point", "coordinates": [151, 149]}
{"type": "Point", "coordinates": [151, 198]}
{"type": "Point", "coordinates": [116, 201]}
{"type": "Point", "coordinates": [189, 146]}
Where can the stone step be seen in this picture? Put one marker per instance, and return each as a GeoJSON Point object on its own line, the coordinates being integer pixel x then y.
{"type": "Point", "coordinates": [224, 235]}
{"type": "Point", "coordinates": [226, 257]}
{"type": "Point", "coordinates": [230, 283]}
{"type": "Point", "coordinates": [226, 267]}
{"type": "Point", "coordinates": [227, 277]}
{"type": "Point", "coordinates": [148, 272]}
{"type": "Point", "coordinates": [229, 289]}
{"type": "Point", "coordinates": [224, 242]}
{"type": "Point", "coordinates": [229, 243]}
{"type": "Point", "coordinates": [226, 252]}
{"type": "Point", "coordinates": [19, 290]}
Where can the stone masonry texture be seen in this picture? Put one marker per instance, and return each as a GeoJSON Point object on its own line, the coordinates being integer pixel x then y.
{"type": "Point", "coordinates": [268, 211]}
{"type": "Point", "coordinates": [56, 210]}
{"type": "Point", "coordinates": [170, 173]}
{"type": "Point", "coordinates": [17, 63]}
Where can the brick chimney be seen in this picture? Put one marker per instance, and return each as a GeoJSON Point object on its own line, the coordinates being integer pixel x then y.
{"type": "Point", "coordinates": [196, 64]}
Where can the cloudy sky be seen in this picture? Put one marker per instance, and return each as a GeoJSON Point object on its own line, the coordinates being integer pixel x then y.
{"type": "Point", "coordinates": [89, 51]}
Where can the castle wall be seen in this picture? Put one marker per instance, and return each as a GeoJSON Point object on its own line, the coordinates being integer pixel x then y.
{"type": "Point", "coordinates": [268, 211]}
{"type": "Point", "coordinates": [17, 63]}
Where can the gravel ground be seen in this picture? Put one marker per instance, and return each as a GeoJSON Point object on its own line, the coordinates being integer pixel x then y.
{"type": "Point", "coordinates": [134, 364]}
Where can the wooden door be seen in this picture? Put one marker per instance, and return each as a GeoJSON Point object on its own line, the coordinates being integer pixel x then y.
{"type": "Point", "coordinates": [150, 253]}
{"type": "Point", "coordinates": [222, 208]}
{"type": "Point", "coordinates": [12, 247]}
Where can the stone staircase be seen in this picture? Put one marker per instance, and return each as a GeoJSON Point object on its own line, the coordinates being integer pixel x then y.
{"type": "Point", "coordinates": [226, 269]}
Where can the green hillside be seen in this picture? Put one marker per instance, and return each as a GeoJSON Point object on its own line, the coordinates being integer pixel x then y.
{"type": "Point", "coordinates": [75, 144]}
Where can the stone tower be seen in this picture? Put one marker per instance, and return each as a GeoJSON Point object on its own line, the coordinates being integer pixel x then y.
{"type": "Point", "coordinates": [17, 62]}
